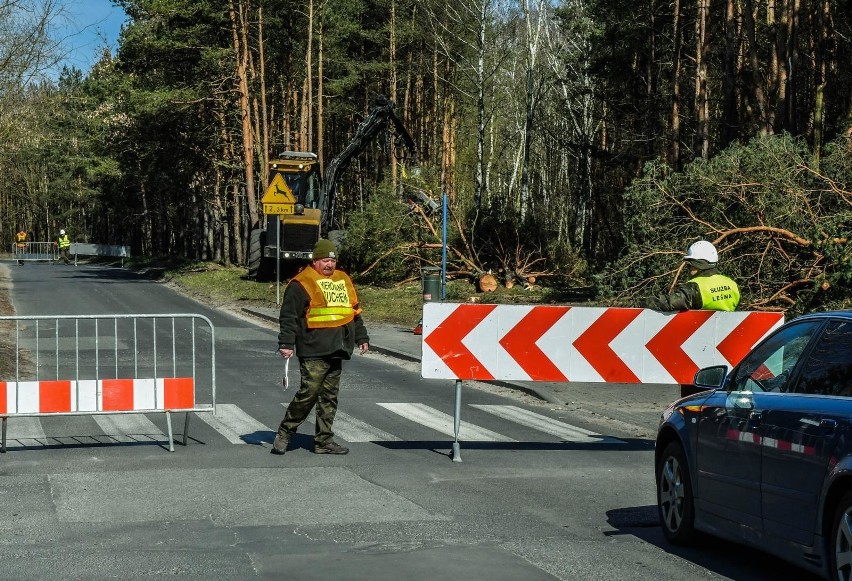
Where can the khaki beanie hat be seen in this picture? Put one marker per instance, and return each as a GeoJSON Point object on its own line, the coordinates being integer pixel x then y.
{"type": "Point", "coordinates": [324, 249]}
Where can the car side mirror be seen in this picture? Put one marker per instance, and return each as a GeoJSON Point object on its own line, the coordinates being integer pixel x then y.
{"type": "Point", "coordinates": [711, 377]}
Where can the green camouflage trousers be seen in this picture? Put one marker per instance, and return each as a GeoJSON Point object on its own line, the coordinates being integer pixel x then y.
{"type": "Point", "coordinates": [319, 386]}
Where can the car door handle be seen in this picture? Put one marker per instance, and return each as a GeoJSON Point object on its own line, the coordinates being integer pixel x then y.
{"type": "Point", "coordinates": [755, 416]}
{"type": "Point", "coordinates": [828, 424]}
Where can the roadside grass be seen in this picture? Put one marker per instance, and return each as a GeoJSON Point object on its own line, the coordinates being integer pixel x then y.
{"type": "Point", "coordinates": [399, 304]}
{"type": "Point", "coordinates": [7, 335]}
{"type": "Point", "coordinates": [10, 357]}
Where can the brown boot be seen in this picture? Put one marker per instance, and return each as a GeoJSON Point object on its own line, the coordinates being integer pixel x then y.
{"type": "Point", "coordinates": [279, 445]}
{"type": "Point", "coordinates": [330, 448]}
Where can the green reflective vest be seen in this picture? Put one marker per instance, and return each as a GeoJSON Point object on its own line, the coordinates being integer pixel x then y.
{"type": "Point", "coordinates": [718, 292]}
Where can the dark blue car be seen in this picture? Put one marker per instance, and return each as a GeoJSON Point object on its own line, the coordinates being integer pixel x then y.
{"type": "Point", "coordinates": [765, 456]}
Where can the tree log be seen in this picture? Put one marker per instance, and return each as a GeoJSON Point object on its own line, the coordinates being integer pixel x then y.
{"type": "Point", "coordinates": [487, 283]}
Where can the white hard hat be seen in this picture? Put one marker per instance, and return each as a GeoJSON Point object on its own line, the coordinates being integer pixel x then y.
{"type": "Point", "coordinates": [702, 253]}
{"type": "Point", "coordinates": [62, 232]}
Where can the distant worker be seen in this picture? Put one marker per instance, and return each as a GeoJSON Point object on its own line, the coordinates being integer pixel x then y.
{"type": "Point", "coordinates": [320, 322]}
{"type": "Point", "coordinates": [707, 289]}
{"type": "Point", "coordinates": [21, 243]}
{"type": "Point", "coordinates": [64, 244]}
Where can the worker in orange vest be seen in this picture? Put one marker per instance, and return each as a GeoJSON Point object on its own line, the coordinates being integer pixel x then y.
{"type": "Point", "coordinates": [21, 243]}
{"type": "Point", "coordinates": [320, 322]}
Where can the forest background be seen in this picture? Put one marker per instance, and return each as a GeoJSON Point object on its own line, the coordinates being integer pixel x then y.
{"type": "Point", "coordinates": [582, 142]}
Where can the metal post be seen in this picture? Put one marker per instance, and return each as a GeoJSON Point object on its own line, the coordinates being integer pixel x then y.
{"type": "Point", "coordinates": [278, 263]}
{"type": "Point", "coordinates": [457, 423]}
{"type": "Point", "coordinates": [186, 429]}
{"type": "Point", "coordinates": [3, 446]}
{"type": "Point", "coordinates": [169, 426]}
{"type": "Point", "coordinates": [444, 253]}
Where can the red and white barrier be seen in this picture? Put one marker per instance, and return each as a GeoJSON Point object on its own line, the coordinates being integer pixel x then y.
{"type": "Point", "coordinates": [142, 347]}
{"type": "Point", "coordinates": [93, 396]}
{"type": "Point", "coordinates": [590, 344]}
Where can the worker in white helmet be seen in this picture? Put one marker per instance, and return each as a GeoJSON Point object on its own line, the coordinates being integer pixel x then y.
{"type": "Point", "coordinates": [706, 289]}
{"type": "Point", "coordinates": [64, 244]}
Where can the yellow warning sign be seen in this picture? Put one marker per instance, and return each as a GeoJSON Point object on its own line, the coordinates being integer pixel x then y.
{"type": "Point", "coordinates": [278, 192]}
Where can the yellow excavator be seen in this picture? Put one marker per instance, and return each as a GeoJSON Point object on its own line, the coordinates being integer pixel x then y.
{"type": "Point", "coordinates": [299, 203]}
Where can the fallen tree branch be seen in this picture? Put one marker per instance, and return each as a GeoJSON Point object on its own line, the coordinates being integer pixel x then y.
{"type": "Point", "coordinates": [749, 229]}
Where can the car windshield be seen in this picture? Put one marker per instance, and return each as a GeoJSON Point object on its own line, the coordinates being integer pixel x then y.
{"type": "Point", "coordinates": [768, 368]}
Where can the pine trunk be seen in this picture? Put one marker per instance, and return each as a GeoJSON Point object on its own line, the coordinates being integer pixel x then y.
{"type": "Point", "coordinates": [701, 91]}
{"type": "Point", "coordinates": [264, 110]}
{"type": "Point", "coordinates": [393, 79]}
{"type": "Point", "coordinates": [757, 93]}
{"type": "Point", "coordinates": [676, 66]}
{"type": "Point", "coordinates": [320, 94]}
{"type": "Point", "coordinates": [241, 52]}
{"type": "Point", "coordinates": [729, 82]}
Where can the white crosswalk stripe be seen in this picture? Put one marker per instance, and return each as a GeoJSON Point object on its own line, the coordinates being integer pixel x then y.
{"type": "Point", "coordinates": [441, 422]}
{"type": "Point", "coordinates": [541, 423]}
{"type": "Point", "coordinates": [127, 428]}
{"type": "Point", "coordinates": [25, 431]}
{"type": "Point", "coordinates": [236, 425]}
{"type": "Point", "coordinates": [354, 430]}
{"type": "Point", "coordinates": [351, 429]}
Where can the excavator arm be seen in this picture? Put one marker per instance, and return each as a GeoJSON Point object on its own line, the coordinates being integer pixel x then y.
{"type": "Point", "coordinates": [376, 121]}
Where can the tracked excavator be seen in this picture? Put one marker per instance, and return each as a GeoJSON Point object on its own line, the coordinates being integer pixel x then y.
{"type": "Point", "coordinates": [299, 203]}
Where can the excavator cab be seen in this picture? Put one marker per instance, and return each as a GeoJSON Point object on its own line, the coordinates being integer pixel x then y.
{"type": "Point", "coordinates": [299, 203]}
{"type": "Point", "coordinates": [300, 172]}
{"type": "Point", "coordinates": [290, 208]}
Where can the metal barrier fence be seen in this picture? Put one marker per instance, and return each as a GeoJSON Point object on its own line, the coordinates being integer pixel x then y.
{"type": "Point", "coordinates": [80, 249]}
{"type": "Point", "coordinates": [109, 364]}
{"type": "Point", "coordinates": [35, 252]}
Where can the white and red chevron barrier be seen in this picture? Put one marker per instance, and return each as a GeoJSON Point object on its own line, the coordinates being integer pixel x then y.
{"type": "Point", "coordinates": [93, 396]}
{"type": "Point", "coordinates": [590, 344]}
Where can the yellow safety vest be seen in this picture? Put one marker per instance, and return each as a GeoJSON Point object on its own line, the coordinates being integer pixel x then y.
{"type": "Point", "coordinates": [21, 239]}
{"type": "Point", "coordinates": [334, 302]}
{"type": "Point", "coordinates": [718, 292]}
{"type": "Point", "coordinates": [64, 242]}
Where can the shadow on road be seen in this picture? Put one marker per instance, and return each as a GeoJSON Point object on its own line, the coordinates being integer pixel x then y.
{"type": "Point", "coordinates": [730, 560]}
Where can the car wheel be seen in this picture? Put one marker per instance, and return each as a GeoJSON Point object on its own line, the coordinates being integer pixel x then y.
{"type": "Point", "coordinates": [675, 503]}
{"type": "Point", "coordinates": [841, 538]}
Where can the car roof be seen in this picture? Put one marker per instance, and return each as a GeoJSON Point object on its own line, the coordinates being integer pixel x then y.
{"type": "Point", "coordinates": [841, 314]}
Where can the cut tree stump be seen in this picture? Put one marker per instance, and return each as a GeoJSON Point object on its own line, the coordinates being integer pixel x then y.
{"type": "Point", "coordinates": [487, 283]}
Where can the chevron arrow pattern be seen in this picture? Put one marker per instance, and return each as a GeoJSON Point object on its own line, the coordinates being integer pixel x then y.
{"type": "Point", "coordinates": [589, 344]}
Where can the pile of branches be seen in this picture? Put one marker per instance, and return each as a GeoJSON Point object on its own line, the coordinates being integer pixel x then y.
{"type": "Point", "coordinates": [411, 237]}
{"type": "Point", "coordinates": [513, 264]}
{"type": "Point", "coordinates": [781, 219]}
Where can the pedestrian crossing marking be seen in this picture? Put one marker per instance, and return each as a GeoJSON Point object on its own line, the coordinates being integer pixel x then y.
{"type": "Point", "coordinates": [441, 422]}
{"type": "Point", "coordinates": [354, 430]}
{"type": "Point", "coordinates": [27, 431]}
{"type": "Point", "coordinates": [236, 425]}
{"type": "Point", "coordinates": [351, 429]}
{"type": "Point", "coordinates": [129, 428]}
{"type": "Point", "coordinates": [545, 424]}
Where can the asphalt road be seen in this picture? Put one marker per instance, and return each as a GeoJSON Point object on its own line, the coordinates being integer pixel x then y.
{"type": "Point", "coordinates": [542, 492]}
